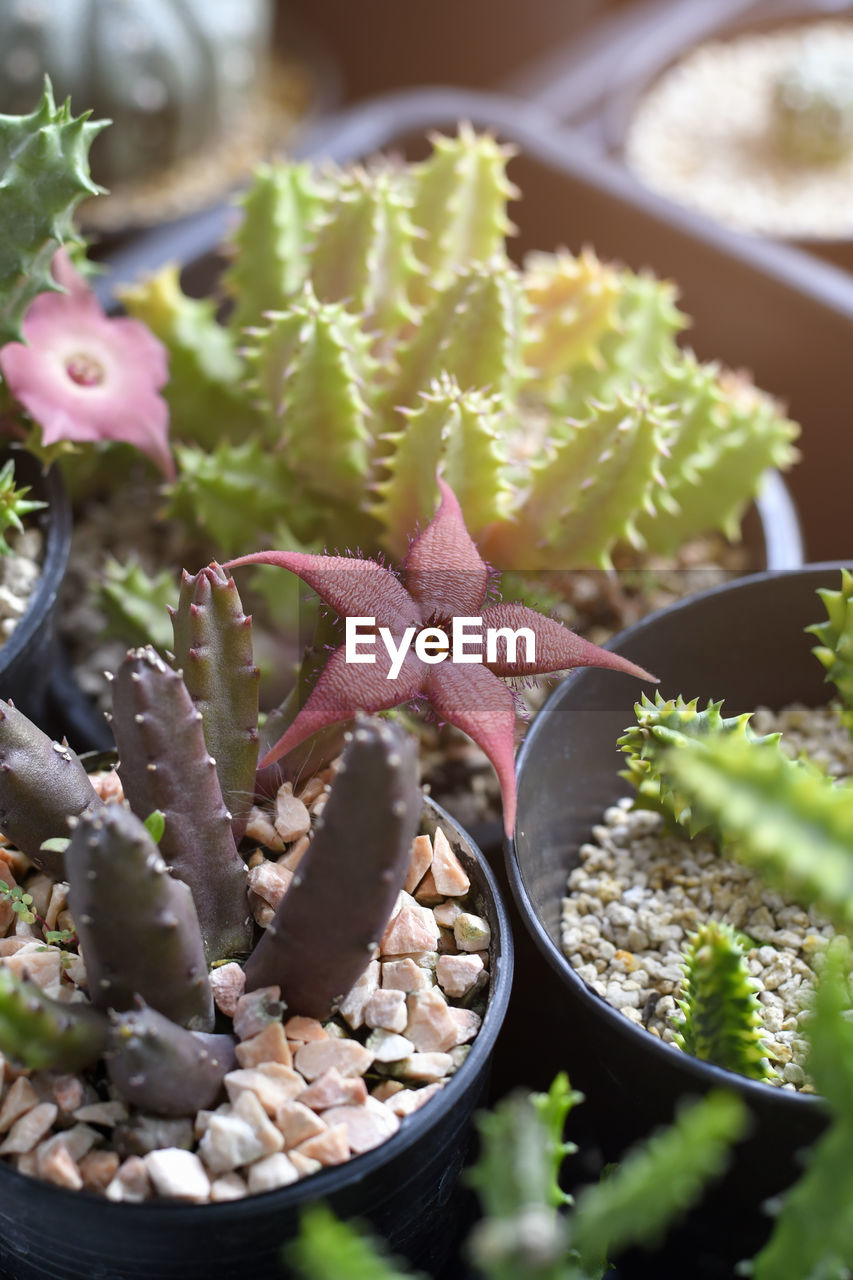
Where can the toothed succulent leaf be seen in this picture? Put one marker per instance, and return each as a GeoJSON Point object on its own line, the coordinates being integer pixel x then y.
{"type": "Point", "coordinates": [470, 330]}
{"type": "Point", "coordinates": [42, 786]}
{"type": "Point", "coordinates": [363, 253]}
{"type": "Point", "coordinates": [164, 763]}
{"type": "Point", "coordinates": [44, 174]}
{"type": "Point", "coordinates": [311, 366]}
{"type": "Point", "coordinates": [205, 396]}
{"type": "Point", "coordinates": [158, 1066]}
{"type": "Point", "coordinates": [784, 818]}
{"type": "Point", "coordinates": [235, 492]}
{"type": "Point", "coordinates": [835, 650]}
{"type": "Point", "coordinates": [344, 890]}
{"type": "Point", "coordinates": [136, 602]}
{"type": "Point", "coordinates": [137, 925]}
{"type": "Point", "coordinates": [38, 1033]}
{"type": "Point", "coordinates": [329, 1249]}
{"type": "Point", "coordinates": [460, 196]}
{"type": "Point", "coordinates": [453, 431]}
{"type": "Point", "coordinates": [583, 496]}
{"type": "Point", "coordinates": [720, 1015]}
{"type": "Point", "coordinates": [661, 725]}
{"type": "Point", "coordinates": [270, 246]}
{"type": "Point", "coordinates": [213, 649]}
{"type": "Point", "coordinates": [572, 304]}
{"type": "Point", "coordinates": [657, 1181]}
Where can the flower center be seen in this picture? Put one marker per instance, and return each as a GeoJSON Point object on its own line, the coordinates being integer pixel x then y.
{"type": "Point", "coordinates": [84, 370]}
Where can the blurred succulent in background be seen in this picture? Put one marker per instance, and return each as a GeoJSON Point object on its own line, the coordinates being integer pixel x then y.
{"type": "Point", "coordinates": [379, 333]}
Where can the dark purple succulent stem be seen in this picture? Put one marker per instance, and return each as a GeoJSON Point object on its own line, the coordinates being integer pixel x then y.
{"type": "Point", "coordinates": [42, 785]}
{"type": "Point", "coordinates": [136, 923]}
{"type": "Point", "coordinates": [213, 649]}
{"type": "Point", "coordinates": [164, 764]}
{"type": "Point", "coordinates": [158, 1066]}
{"type": "Point", "coordinates": [330, 920]}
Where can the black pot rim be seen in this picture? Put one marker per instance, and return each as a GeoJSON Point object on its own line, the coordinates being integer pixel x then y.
{"type": "Point", "coordinates": [705, 1075]}
{"type": "Point", "coordinates": [56, 519]}
{"type": "Point", "coordinates": [329, 1181]}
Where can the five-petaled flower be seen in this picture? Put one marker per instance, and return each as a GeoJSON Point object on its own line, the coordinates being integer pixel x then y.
{"type": "Point", "coordinates": [85, 376]}
{"type": "Point", "coordinates": [445, 577]}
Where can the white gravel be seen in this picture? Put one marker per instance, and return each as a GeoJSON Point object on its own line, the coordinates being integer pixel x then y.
{"type": "Point", "coordinates": [704, 135]}
{"type": "Point", "coordinates": [19, 575]}
{"type": "Point", "coordinates": [638, 892]}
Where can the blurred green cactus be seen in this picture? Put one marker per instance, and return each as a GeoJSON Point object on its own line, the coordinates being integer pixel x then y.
{"type": "Point", "coordinates": [382, 333]}
{"type": "Point", "coordinates": [835, 651]}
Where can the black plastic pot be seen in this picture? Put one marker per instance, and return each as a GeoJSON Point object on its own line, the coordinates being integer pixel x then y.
{"type": "Point", "coordinates": [403, 1188]}
{"type": "Point", "coordinates": [29, 655]}
{"type": "Point", "coordinates": [743, 642]}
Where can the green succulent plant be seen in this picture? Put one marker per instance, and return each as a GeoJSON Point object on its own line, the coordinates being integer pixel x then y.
{"type": "Point", "coordinates": [835, 650]}
{"type": "Point", "coordinates": [380, 333]}
{"type": "Point", "coordinates": [531, 1230]}
{"type": "Point", "coordinates": [721, 1018]}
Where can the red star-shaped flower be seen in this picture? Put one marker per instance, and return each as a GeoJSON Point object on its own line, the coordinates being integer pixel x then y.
{"type": "Point", "coordinates": [445, 578]}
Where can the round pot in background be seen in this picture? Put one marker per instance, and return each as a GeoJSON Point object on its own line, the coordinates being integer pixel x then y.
{"type": "Point", "coordinates": [403, 1188]}
{"type": "Point", "coordinates": [743, 642]}
{"type": "Point", "coordinates": [29, 655]}
{"type": "Point", "coordinates": [766, 17]}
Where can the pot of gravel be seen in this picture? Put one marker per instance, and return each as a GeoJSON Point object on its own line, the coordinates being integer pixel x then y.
{"type": "Point", "coordinates": [405, 1187]}
{"type": "Point", "coordinates": [31, 575]}
{"type": "Point", "coordinates": [611, 899]}
{"type": "Point", "coordinates": [765, 101]}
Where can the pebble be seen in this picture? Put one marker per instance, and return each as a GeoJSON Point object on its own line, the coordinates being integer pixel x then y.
{"type": "Point", "coordinates": [178, 1174]}
{"type": "Point", "coordinates": [272, 1172]}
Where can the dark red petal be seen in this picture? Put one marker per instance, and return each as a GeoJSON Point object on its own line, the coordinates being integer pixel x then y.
{"type": "Point", "coordinates": [557, 648]}
{"type": "Point", "coordinates": [480, 705]}
{"type": "Point", "coordinates": [444, 571]}
{"type": "Point", "coordinates": [345, 688]}
{"type": "Point", "coordinates": [354, 588]}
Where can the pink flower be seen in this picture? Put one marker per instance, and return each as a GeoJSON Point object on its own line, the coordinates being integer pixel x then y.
{"type": "Point", "coordinates": [445, 578]}
{"type": "Point", "coordinates": [84, 376]}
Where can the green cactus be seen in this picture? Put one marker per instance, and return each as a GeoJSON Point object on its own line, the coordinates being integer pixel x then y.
{"type": "Point", "coordinates": [44, 174]}
{"type": "Point", "coordinates": [784, 818]}
{"type": "Point", "coordinates": [136, 923]}
{"type": "Point", "coordinates": [343, 890]}
{"type": "Point", "coordinates": [390, 336]}
{"type": "Point", "coordinates": [835, 651]}
{"type": "Point", "coordinates": [813, 1235]}
{"type": "Point", "coordinates": [13, 504]}
{"type": "Point", "coordinates": [135, 602]}
{"type": "Point", "coordinates": [661, 725]}
{"type": "Point", "coordinates": [161, 1067]}
{"type": "Point", "coordinates": [39, 1033]}
{"type": "Point", "coordinates": [165, 764]}
{"type": "Point", "coordinates": [657, 1181]}
{"type": "Point", "coordinates": [812, 105]}
{"type": "Point", "coordinates": [521, 1235]}
{"type": "Point", "coordinates": [721, 1018]}
{"type": "Point", "coordinates": [174, 75]}
{"type": "Point", "coordinates": [213, 649]}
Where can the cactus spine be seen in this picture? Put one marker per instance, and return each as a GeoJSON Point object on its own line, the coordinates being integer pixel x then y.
{"type": "Point", "coordinates": [349, 878]}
